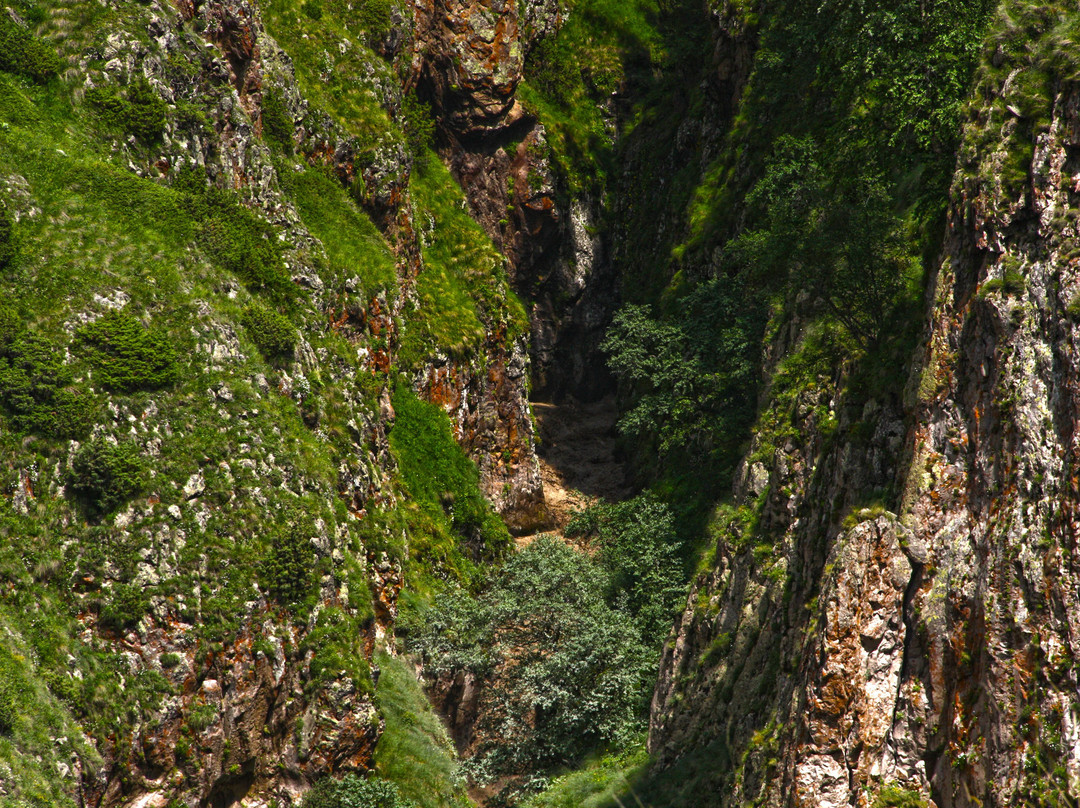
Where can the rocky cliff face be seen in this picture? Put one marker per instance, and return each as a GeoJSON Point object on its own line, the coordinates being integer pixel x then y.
{"type": "Point", "coordinates": [472, 60]}
{"type": "Point", "coordinates": [934, 661]}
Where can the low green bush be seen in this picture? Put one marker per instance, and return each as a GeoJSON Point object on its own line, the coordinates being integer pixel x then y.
{"type": "Point", "coordinates": [270, 331]}
{"type": "Point", "coordinates": [896, 797]}
{"type": "Point", "coordinates": [375, 17]}
{"type": "Point", "coordinates": [276, 126]}
{"type": "Point", "coordinates": [419, 125]}
{"type": "Point", "coordinates": [124, 607]}
{"type": "Point", "coordinates": [127, 355]}
{"type": "Point", "coordinates": [8, 704]}
{"type": "Point", "coordinates": [353, 792]}
{"type": "Point", "coordinates": [288, 571]}
{"type": "Point", "coordinates": [441, 477]}
{"type": "Point", "coordinates": [1011, 284]}
{"type": "Point", "coordinates": [7, 238]}
{"type": "Point", "coordinates": [234, 237]}
{"type": "Point", "coordinates": [21, 52]}
{"type": "Point", "coordinates": [1072, 311]}
{"type": "Point", "coordinates": [37, 390]}
{"type": "Point", "coordinates": [139, 111]}
{"type": "Point", "coordinates": [105, 475]}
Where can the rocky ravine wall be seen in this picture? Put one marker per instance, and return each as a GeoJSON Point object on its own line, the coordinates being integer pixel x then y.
{"type": "Point", "coordinates": [471, 57]}
{"type": "Point", "coordinates": [937, 656]}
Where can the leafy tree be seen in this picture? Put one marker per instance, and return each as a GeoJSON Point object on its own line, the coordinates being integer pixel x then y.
{"type": "Point", "coordinates": [638, 549]}
{"type": "Point", "coordinates": [692, 376]}
{"type": "Point", "coordinates": [564, 672]}
{"type": "Point", "coordinates": [354, 792]}
{"type": "Point", "coordinates": [830, 231]}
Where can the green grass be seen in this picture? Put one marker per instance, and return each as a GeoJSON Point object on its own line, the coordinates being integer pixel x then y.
{"type": "Point", "coordinates": [601, 782]}
{"type": "Point", "coordinates": [569, 76]}
{"type": "Point", "coordinates": [414, 751]}
{"type": "Point", "coordinates": [354, 247]}
{"type": "Point", "coordinates": [345, 85]}
{"type": "Point", "coordinates": [453, 526]}
{"type": "Point", "coordinates": [463, 291]}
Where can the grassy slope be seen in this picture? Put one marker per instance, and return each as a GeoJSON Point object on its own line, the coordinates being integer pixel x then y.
{"type": "Point", "coordinates": [91, 228]}
{"type": "Point", "coordinates": [415, 751]}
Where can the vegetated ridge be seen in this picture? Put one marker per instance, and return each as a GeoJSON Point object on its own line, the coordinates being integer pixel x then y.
{"type": "Point", "coordinates": [280, 279]}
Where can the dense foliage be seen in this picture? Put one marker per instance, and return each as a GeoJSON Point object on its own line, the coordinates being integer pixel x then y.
{"type": "Point", "coordinates": [22, 52]}
{"type": "Point", "coordinates": [138, 111]}
{"type": "Point", "coordinates": [564, 671]}
{"type": "Point", "coordinates": [127, 355]}
{"type": "Point", "coordinates": [638, 548]}
{"type": "Point", "coordinates": [270, 330]}
{"type": "Point", "coordinates": [289, 571]}
{"type": "Point", "coordinates": [38, 390]}
{"type": "Point", "coordinates": [277, 127]}
{"type": "Point", "coordinates": [105, 475]}
{"type": "Point", "coordinates": [441, 478]}
{"type": "Point", "coordinates": [234, 237]}
{"type": "Point", "coordinates": [353, 792]}
{"type": "Point", "coordinates": [692, 377]}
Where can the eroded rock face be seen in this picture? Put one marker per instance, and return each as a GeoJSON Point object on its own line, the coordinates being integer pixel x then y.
{"type": "Point", "coordinates": [472, 59]}
{"type": "Point", "coordinates": [937, 657]}
{"type": "Point", "coordinates": [491, 420]}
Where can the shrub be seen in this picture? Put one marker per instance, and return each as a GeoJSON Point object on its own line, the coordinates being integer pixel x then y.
{"type": "Point", "coordinates": [139, 111]}
{"type": "Point", "coordinates": [234, 237]}
{"type": "Point", "coordinates": [353, 792]}
{"type": "Point", "coordinates": [276, 125]}
{"type": "Point", "coordinates": [22, 52]}
{"type": "Point", "coordinates": [441, 477]}
{"type": "Point", "coordinates": [565, 672]}
{"type": "Point", "coordinates": [313, 10]}
{"type": "Point", "coordinates": [127, 355]}
{"type": "Point", "coordinates": [7, 238]}
{"type": "Point", "coordinates": [125, 607]}
{"type": "Point", "coordinates": [10, 327]}
{"type": "Point", "coordinates": [270, 331]}
{"type": "Point", "coordinates": [36, 389]}
{"type": "Point", "coordinates": [202, 716]}
{"type": "Point", "coordinates": [289, 570]}
{"type": "Point", "coordinates": [170, 659]}
{"type": "Point", "coordinates": [8, 704]}
{"type": "Point", "coordinates": [375, 18]}
{"type": "Point", "coordinates": [896, 797]}
{"type": "Point", "coordinates": [1072, 311]}
{"type": "Point", "coordinates": [105, 475]}
{"type": "Point", "coordinates": [418, 124]}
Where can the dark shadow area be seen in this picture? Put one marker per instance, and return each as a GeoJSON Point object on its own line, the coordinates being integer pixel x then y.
{"type": "Point", "coordinates": [579, 452]}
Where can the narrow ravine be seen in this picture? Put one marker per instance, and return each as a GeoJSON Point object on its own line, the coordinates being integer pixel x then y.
{"type": "Point", "coordinates": [580, 460]}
